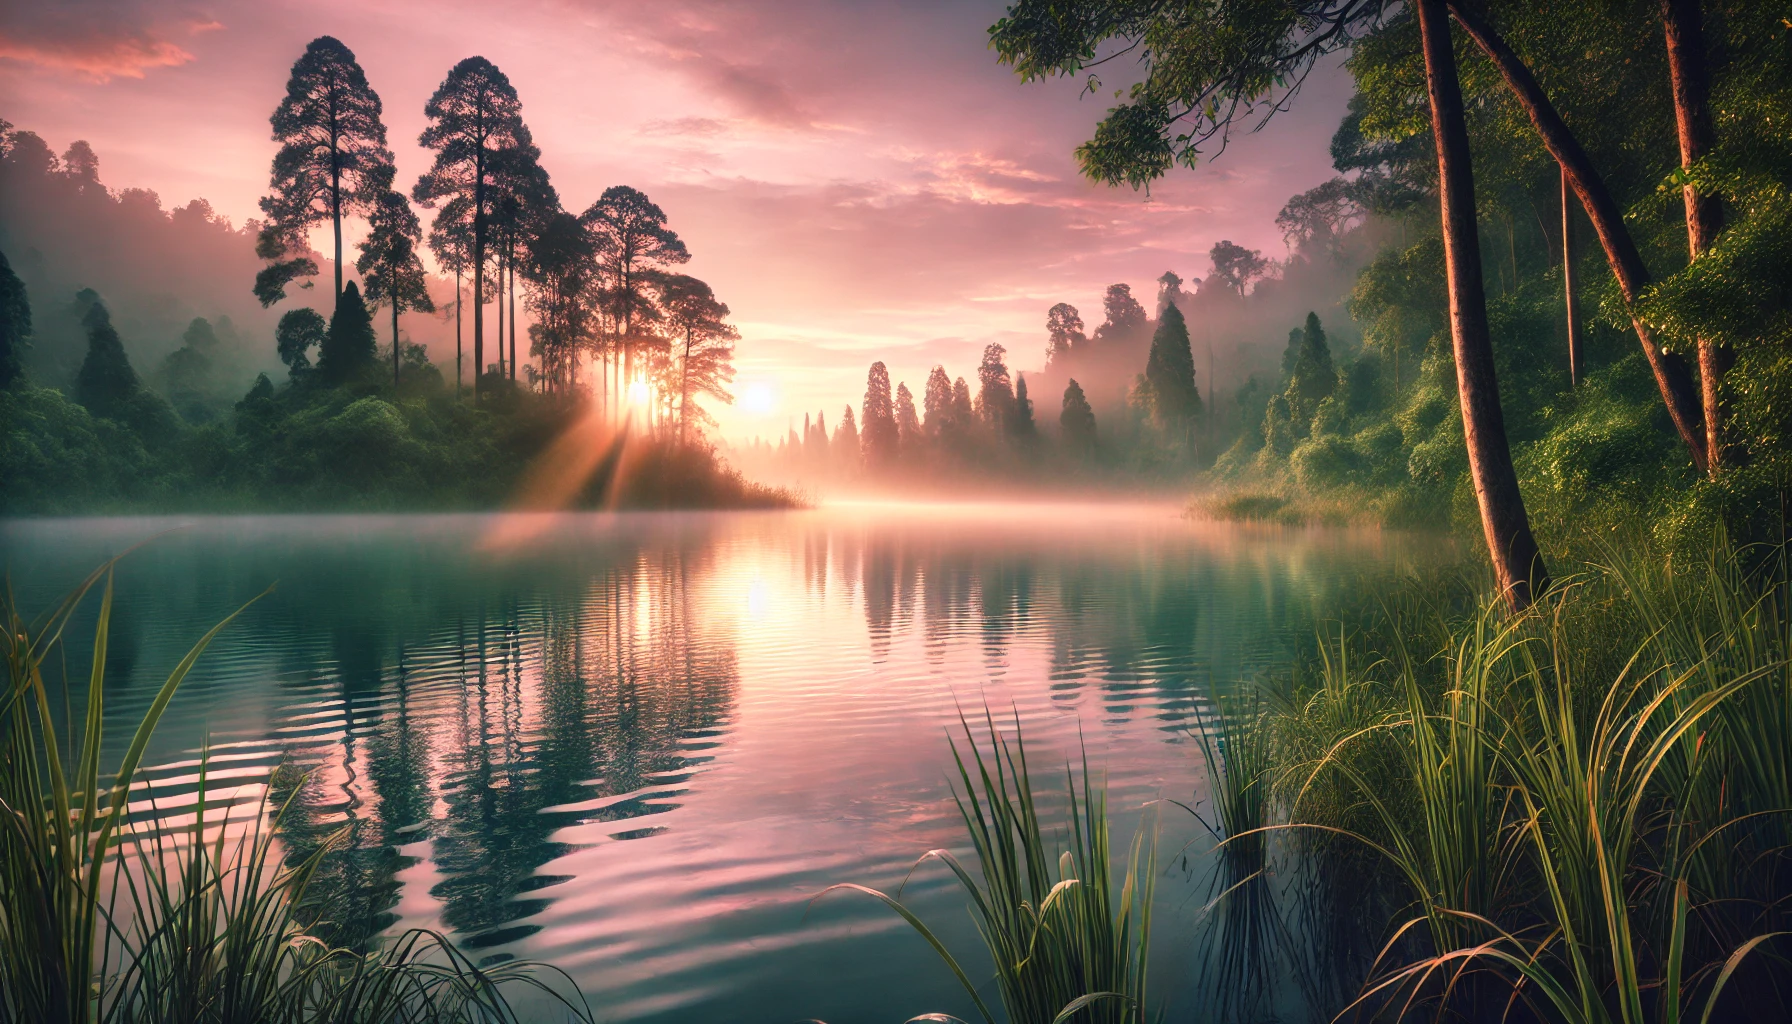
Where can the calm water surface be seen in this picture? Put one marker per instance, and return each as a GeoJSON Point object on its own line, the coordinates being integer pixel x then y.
{"type": "Point", "coordinates": [636, 746]}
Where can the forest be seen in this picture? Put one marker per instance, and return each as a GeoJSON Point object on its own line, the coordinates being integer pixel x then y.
{"type": "Point", "coordinates": [343, 411]}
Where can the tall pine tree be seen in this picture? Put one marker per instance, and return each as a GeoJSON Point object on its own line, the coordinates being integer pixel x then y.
{"type": "Point", "coordinates": [1077, 420]}
{"type": "Point", "coordinates": [1170, 373]}
{"type": "Point", "coordinates": [106, 384]}
{"type": "Point", "coordinates": [880, 433]}
{"type": "Point", "coordinates": [389, 263]}
{"type": "Point", "coordinates": [475, 117]}
{"type": "Point", "coordinates": [348, 349]}
{"type": "Point", "coordinates": [333, 162]}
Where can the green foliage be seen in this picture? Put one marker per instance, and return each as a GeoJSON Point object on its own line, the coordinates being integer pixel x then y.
{"type": "Point", "coordinates": [299, 331]}
{"type": "Point", "coordinates": [1312, 378]}
{"type": "Point", "coordinates": [1170, 373]}
{"type": "Point", "coordinates": [107, 384]}
{"type": "Point", "coordinates": [347, 351]}
{"type": "Point", "coordinates": [15, 324]}
{"type": "Point", "coordinates": [1076, 419]}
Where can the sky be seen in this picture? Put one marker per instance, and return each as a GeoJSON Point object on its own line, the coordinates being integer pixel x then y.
{"type": "Point", "coordinates": [858, 181]}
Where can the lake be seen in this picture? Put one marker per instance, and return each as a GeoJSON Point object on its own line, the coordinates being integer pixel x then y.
{"type": "Point", "coordinates": [637, 745]}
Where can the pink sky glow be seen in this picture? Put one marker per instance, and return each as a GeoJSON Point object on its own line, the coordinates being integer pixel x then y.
{"type": "Point", "coordinates": [858, 181]}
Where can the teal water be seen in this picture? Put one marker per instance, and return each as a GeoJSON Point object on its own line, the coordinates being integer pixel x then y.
{"type": "Point", "coordinates": [637, 746]}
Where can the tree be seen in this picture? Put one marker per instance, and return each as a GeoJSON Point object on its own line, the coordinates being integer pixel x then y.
{"type": "Point", "coordinates": [1312, 379]}
{"type": "Point", "coordinates": [15, 324]}
{"type": "Point", "coordinates": [847, 448]}
{"type": "Point", "coordinates": [995, 390]}
{"type": "Point", "coordinates": [1673, 377]}
{"type": "Point", "coordinates": [936, 402]}
{"type": "Point", "coordinates": [186, 373]}
{"type": "Point", "coordinates": [475, 116]}
{"type": "Point", "coordinates": [348, 347]}
{"type": "Point", "coordinates": [561, 275]}
{"type": "Point", "coordinates": [633, 245]}
{"type": "Point", "coordinates": [1237, 266]}
{"type": "Point", "coordinates": [106, 384]}
{"type": "Point", "coordinates": [1064, 332]}
{"type": "Point", "coordinates": [1518, 564]}
{"type": "Point", "coordinates": [1125, 317]}
{"type": "Point", "coordinates": [1020, 425]}
{"type": "Point", "coordinates": [1077, 420]}
{"type": "Point", "coordinates": [1170, 373]}
{"type": "Point", "coordinates": [880, 433]}
{"type": "Point", "coordinates": [524, 200]}
{"type": "Point", "coordinates": [963, 415]}
{"type": "Point", "coordinates": [333, 161]}
{"type": "Point", "coordinates": [1317, 220]}
{"type": "Point", "coordinates": [1192, 93]}
{"type": "Point", "coordinates": [705, 345]}
{"type": "Point", "coordinates": [389, 264]}
{"type": "Point", "coordinates": [299, 330]}
{"type": "Point", "coordinates": [908, 424]}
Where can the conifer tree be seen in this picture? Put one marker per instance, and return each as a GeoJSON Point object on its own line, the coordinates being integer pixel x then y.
{"type": "Point", "coordinates": [348, 347]}
{"type": "Point", "coordinates": [634, 246]}
{"type": "Point", "coordinates": [1021, 425]}
{"type": "Point", "coordinates": [107, 383]}
{"type": "Point", "coordinates": [1077, 420]}
{"type": "Point", "coordinates": [297, 333]}
{"type": "Point", "coordinates": [908, 424]}
{"type": "Point", "coordinates": [1313, 379]}
{"type": "Point", "coordinates": [390, 266]}
{"type": "Point", "coordinates": [703, 342]}
{"type": "Point", "coordinates": [475, 117]}
{"type": "Point", "coordinates": [15, 324]}
{"type": "Point", "coordinates": [1170, 373]}
{"type": "Point", "coordinates": [333, 162]}
{"type": "Point", "coordinates": [936, 402]}
{"type": "Point", "coordinates": [846, 442]}
{"type": "Point", "coordinates": [1125, 317]}
{"type": "Point", "coordinates": [962, 414]}
{"type": "Point", "coordinates": [880, 434]}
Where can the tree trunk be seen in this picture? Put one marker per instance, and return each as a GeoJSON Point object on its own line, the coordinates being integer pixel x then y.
{"type": "Point", "coordinates": [1572, 307]}
{"type": "Point", "coordinates": [511, 260]}
{"type": "Point", "coordinates": [395, 344]}
{"type": "Point", "coordinates": [1672, 375]}
{"type": "Point", "coordinates": [1704, 213]}
{"type": "Point", "coordinates": [478, 270]}
{"type": "Point", "coordinates": [500, 301]}
{"type": "Point", "coordinates": [459, 297]}
{"type": "Point", "coordinates": [1516, 560]}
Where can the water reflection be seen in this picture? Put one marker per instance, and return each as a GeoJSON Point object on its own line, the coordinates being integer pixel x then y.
{"type": "Point", "coordinates": [634, 745]}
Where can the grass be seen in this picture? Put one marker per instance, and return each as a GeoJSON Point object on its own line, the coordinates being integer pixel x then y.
{"type": "Point", "coordinates": [116, 908]}
{"type": "Point", "coordinates": [1067, 946]}
{"type": "Point", "coordinates": [1586, 806]}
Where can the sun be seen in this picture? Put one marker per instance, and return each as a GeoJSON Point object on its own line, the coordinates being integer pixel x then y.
{"type": "Point", "coordinates": [639, 392]}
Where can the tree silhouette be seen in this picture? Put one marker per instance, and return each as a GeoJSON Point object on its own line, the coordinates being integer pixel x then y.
{"type": "Point", "coordinates": [1077, 420]}
{"type": "Point", "coordinates": [1064, 332]}
{"type": "Point", "coordinates": [936, 402]}
{"type": "Point", "coordinates": [1021, 425]}
{"type": "Point", "coordinates": [963, 415]}
{"type": "Point", "coordinates": [705, 346]}
{"type": "Point", "coordinates": [561, 278]}
{"type": "Point", "coordinates": [880, 433]}
{"type": "Point", "coordinates": [15, 324]}
{"type": "Point", "coordinates": [1170, 373]}
{"type": "Point", "coordinates": [1125, 317]}
{"type": "Point", "coordinates": [332, 161]}
{"type": "Point", "coordinates": [347, 351]}
{"type": "Point", "coordinates": [299, 330]}
{"type": "Point", "coordinates": [475, 117]}
{"type": "Point", "coordinates": [995, 390]}
{"type": "Point", "coordinates": [389, 264]}
{"type": "Point", "coordinates": [106, 383]}
{"type": "Point", "coordinates": [524, 200]}
{"type": "Point", "coordinates": [847, 448]}
{"type": "Point", "coordinates": [633, 246]}
{"type": "Point", "coordinates": [1237, 266]}
{"type": "Point", "coordinates": [908, 425]}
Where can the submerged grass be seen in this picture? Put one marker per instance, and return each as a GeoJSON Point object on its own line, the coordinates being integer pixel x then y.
{"type": "Point", "coordinates": [1067, 946]}
{"type": "Point", "coordinates": [115, 909]}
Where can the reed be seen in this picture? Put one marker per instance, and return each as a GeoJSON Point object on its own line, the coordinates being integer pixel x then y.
{"type": "Point", "coordinates": [114, 908]}
{"type": "Point", "coordinates": [1067, 947]}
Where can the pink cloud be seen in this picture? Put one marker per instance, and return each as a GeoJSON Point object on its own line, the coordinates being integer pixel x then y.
{"type": "Point", "coordinates": [97, 42]}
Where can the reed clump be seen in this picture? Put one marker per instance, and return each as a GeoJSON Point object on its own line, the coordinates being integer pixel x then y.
{"type": "Point", "coordinates": [120, 907]}
{"type": "Point", "coordinates": [1585, 809]}
{"type": "Point", "coordinates": [1068, 944]}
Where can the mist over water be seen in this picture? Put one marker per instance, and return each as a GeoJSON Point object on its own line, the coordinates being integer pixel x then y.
{"type": "Point", "coordinates": [635, 746]}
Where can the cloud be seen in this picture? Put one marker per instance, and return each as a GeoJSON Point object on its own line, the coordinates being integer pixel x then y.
{"type": "Point", "coordinates": [97, 41]}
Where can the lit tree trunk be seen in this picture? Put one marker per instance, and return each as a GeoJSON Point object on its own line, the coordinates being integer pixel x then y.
{"type": "Point", "coordinates": [1573, 308]}
{"type": "Point", "coordinates": [684, 388]}
{"type": "Point", "coordinates": [1704, 213]}
{"type": "Point", "coordinates": [1516, 560]}
{"type": "Point", "coordinates": [1672, 375]}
